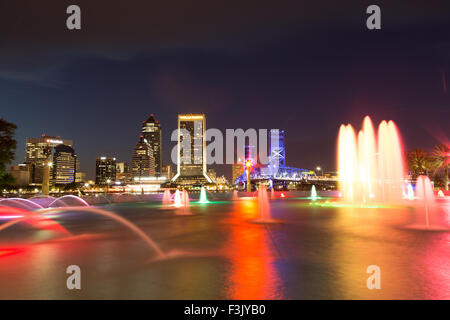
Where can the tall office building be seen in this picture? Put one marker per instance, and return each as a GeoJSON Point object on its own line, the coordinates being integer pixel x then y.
{"type": "Point", "coordinates": [167, 172]}
{"type": "Point", "coordinates": [38, 151]}
{"type": "Point", "coordinates": [21, 174]}
{"type": "Point", "coordinates": [277, 149]}
{"type": "Point", "coordinates": [105, 170]}
{"type": "Point", "coordinates": [64, 165]}
{"type": "Point", "coordinates": [151, 131]}
{"type": "Point", "coordinates": [191, 160]}
{"type": "Point", "coordinates": [143, 163]}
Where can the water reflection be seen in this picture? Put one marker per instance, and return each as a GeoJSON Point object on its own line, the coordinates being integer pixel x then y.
{"type": "Point", "coordinates": [252, 273]}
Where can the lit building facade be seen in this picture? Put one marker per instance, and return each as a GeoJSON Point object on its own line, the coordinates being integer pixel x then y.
{"type": "Point", "coordinates": [105, 170]}
{"type": "Point", "coordinates": [63, 168]}
{"type": "Point", "coordinates": [143, 162]}
{"type": "Point", "coordinates": [151, 131]}
{"type": "Point", "coordinates": [21, 174]}
{"type": "Point", "coordinates": [38, 151]}
{"type": "Point", "coordinates": [80, 177]}
{"type": "Point", "coordinates": [191, 159]}
{"type": "Point", "coordinates": [123, 174]}
{"type": "Point", "coordinates": [167, 172]}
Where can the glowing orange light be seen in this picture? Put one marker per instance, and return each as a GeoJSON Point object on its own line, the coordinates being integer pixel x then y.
{"type": "Point", "coordinates": [248, 164]}
{"type": "Point", "coordinates": [7, 252]}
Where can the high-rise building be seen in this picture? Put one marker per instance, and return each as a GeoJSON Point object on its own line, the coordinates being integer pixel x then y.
{"type": "Point", "coordinates": [277, 149]}
{"type": "Point", "coordinates": [151, 131]}
{"type": "Point", "coordinates": [105, 170]}
{"type": "Point", "coordinates": [21, 174]}
{"type": "Point", "coordinates": [191, 160]}
{"type": "Point", "coordinates": [80, 177]}
{"type": "Point", "coordinates": [122, 167]}
{"type": "Point", "coordinates": [123, 174]}
{"type": "Point", "coordinates": [167, 172]}
{"type": "Point", "coordinates": [38, 151]}
{"type": "Point", "coordinates": [143, 163]}
{"type": "Point", "coordinates": [64, 164]}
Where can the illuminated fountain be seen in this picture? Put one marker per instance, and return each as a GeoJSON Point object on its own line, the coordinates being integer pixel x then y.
{"type": "Point", "coordinates": [428, 212]}
{"type": "Point", "coordinates": [42, 214]}
{"type": "Point", "coordinates": [313, 195]}
{"type": "Point", "coordinates": [177, 199]}
{"type": "Point", "coordinates": [370, 169]}
{"type": "Point", "coordinates": [425, 197]}
{"type": "Point", "coordinates": [409, 192]}
{"type": "Point", "coordinates": [264, 207]}
{"type": "Point", "coordinates": [20, 203]}
{"type": "Point", "coordinates": [166, 198]}
{"type": "Point", "coordinates": [68, 201]}
{"type": "Point", "coordinates": [97, 199]}
{"type": "Point", "coordinates": [184, 204]}
{"type": "Point", "coordinates": [43, 200]}
{"type": "Point", "coordinates": [203, 196]}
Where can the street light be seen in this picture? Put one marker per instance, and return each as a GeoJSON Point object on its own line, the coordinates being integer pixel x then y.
{"type": "Point", "coordinates": [107, 185]}
{"type": "Point", "coordinates": [320, 169]}
{"type": "Point", "coordinates": [248, 169]}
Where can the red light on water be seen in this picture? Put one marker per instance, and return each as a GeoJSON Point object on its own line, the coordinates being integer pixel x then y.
{"type": "Point", "coordinates": [8, 251]}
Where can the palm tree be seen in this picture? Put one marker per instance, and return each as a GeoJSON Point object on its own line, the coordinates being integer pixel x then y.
{"type": "Point", "coordinates": [418, 163]}
{"type": "Point", "coordinates": [441, 161]}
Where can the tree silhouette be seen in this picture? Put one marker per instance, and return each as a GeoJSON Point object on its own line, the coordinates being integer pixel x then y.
{"type": "Point", "coordinates": [7, 146]}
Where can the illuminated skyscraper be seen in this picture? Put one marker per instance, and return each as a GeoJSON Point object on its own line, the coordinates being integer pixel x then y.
{"type": "Point", "coordinates": [191, 160]}
{"type": "Point", "coordinates": [38, 151]}
{"type": "Point", "coordinates": [277, 149]}
{"type": "Point", "coordinates": [143, 163]}
{"type": "Point", "coordinates": [64, 163]}
{"type": "Point", "coordinates": [105, 170]}
{"type": "Point", "coordinates": [151, 131]}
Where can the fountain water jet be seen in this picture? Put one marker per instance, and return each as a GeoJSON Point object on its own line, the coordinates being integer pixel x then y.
{"type": "Point", "coordinates": [203, 196]}
{"type": "Point", "coordinates": [36, 220]}
{"type": "Point", "coordinates": [177, 199]}
{"type": "Point", "coordinates": [21, 203]}
{"type": "Point", "coordinates": [370, 169]}
{"type": "Point", "coordinates": [184, 204]}
{"type": "Point", "coordinates": [166, 198]}
{"type": "Point", "coordinates": [313, 195]}
{"type": "Point", "coordinates": [105, 213]}
{"type": "Point", "coordinates": [264, 207]}
{"type": "Point", "coordinates": [63, 200]}
{"type": "Point", "coordinates": [427, 206]}
{"type": "Point", "coordinates": [409, 192]}
{"type": "Point", "coordinates": [235, 195]}
{"type": "Point", "coordinates": [425, 196]}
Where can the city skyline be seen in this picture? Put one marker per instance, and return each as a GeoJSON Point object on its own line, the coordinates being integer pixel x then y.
{"type": "Point", "coordinates": [225, 154]}
{"type": "Point", "coordinates": [276, 71]}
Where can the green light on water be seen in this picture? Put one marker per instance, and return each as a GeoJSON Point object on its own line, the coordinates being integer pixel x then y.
{"type": "Point", "coordinates": [328, 204]}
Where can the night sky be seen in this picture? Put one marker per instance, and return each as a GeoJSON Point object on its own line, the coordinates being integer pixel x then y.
{"type": "Point", "coordinates": [302, 67]}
